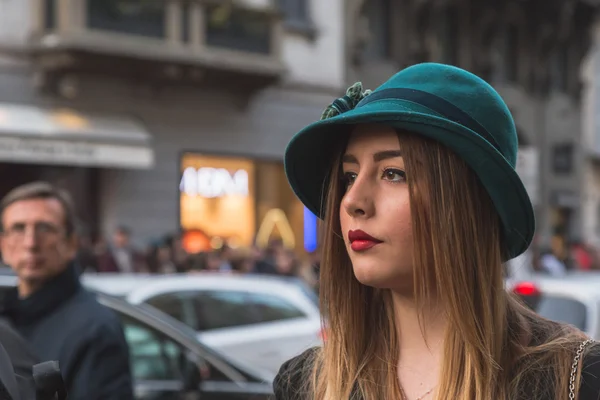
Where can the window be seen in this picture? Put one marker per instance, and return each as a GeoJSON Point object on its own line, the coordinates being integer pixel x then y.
{"type": "Point", "coordinates": [295, 10]}
{"type": "Point", "coordinates": [238, 29]}
{"type": "Point", "coordinates": [562, 158]}
{"type": "Point", "coordinates": [378, 15]}
{"type": "Point", "coordinates": [224, 309]}
{"type": "Point", "coordinates": [185, 22]}
{"type": "Point", "coordinates": [153, 356]}
{"type": "Point", "coordinates": [228, 309]}
{"type": "Point", "coordinates": [170, 304]}
{"type": "Point", "coordinates": [50, 14]}
{"type": "Point", "coordinates": [273, 308]}
{"type": "Point", "coordinates": [135, 17]}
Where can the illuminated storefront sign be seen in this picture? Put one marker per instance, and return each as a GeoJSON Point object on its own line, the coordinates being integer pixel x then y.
{"type": "Point", "coordinates": [217, 197]}
{"type": "Point", "coordinates": [275, 218]}
{"type": "Point", "coordinates": [214, 182]}
{"type": "Point", "coordinates": [241, 202]}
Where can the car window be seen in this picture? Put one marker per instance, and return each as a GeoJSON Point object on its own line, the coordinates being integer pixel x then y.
{"type": "Point", "coordinates": [223, 309]}
{"type": "Point", "coordinates": [153, 355]}
{"type": "Point", "coordinates": [171, 304]}
{"type": "Point", "coordinates": [273, 308]}
{"type": "Point", "coordinates": [562, 309]}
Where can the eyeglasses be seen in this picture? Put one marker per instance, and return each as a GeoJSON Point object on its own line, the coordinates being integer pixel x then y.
{"type": "Point", "coordinates": [41, 230]}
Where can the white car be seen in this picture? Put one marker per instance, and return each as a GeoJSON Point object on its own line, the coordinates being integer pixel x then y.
{"type": "Point", "coordinates": [161, 349]}
{"type": "Point", "coordinates": [573, 299]}
{"type": "Point", "coordinates": [260, 320]}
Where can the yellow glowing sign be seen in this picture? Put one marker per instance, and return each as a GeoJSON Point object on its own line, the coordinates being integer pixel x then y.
{"type": "Point", "coordinates": [217, 197]}
{"type": "Point", "coordinates": [275, 218]}
{"type": "Point", "coordinates": [214, 182]}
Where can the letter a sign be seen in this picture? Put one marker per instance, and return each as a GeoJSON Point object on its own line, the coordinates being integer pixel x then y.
{"type": "Point", "coordinates": [275, 218]}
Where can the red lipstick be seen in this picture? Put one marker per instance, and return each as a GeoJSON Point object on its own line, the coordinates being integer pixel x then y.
{"type": "Point", "coordinates": [361, 241]}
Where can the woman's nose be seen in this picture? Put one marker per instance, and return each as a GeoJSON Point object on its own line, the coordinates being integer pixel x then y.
{"type": "Point", "coordinates": [358, 200]}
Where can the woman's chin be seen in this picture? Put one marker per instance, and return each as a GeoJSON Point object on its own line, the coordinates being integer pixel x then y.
{"type": "Point", "coordinates": [382, 278]}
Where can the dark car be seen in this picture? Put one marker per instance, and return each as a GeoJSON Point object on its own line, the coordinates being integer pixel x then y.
{"type": "Point", "coordinates": [168, 361]}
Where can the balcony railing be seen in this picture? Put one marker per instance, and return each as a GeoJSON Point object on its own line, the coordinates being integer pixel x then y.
{"type": "Point", "coordinates": [218, 31]}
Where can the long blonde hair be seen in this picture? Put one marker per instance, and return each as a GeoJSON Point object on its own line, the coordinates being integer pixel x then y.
{"type": "Point", "coordinates": [495, 348]}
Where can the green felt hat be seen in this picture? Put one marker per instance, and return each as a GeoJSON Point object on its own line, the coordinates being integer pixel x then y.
{"type": "Point", "coordinates": [437, 101]}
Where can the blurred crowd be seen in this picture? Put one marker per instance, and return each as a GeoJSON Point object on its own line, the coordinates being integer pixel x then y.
{"type": "Point", "coordinates": [168, 255]}
{"type": "Point", "coordinates": [558, 259]}
{"type": "Point", "coordinates": [575, 256]}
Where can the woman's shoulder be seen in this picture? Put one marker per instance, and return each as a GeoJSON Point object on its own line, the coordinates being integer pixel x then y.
{"type": "Point", "coordinates": [293, 375]}
{"type": "Point", "coordinates": [590, 374]}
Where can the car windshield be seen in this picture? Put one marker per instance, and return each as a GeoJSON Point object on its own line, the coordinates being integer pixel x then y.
{"type": "Point", "coordinates": [562, 309]}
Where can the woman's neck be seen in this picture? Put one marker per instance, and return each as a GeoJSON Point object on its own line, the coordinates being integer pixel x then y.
{"type": "Point", "coordinates": [421, 345]}
{"type": "Point", "coordinates": [417, 335]}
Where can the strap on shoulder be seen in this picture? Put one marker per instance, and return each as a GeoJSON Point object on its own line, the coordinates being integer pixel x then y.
{"type": "Point", "coordinates": [590, 374]}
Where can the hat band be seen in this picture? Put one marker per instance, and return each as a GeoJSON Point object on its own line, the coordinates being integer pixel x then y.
{"type": "Point", "coordinates": [435, 103]}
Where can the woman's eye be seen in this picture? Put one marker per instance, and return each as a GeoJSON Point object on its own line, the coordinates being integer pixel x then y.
{"type": "Point", "coordinates": [349, 178]}
{"type": "Point", "coordinates": [394, 175]}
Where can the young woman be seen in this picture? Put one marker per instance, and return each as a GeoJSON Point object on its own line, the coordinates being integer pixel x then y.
{"type": "Point", "coordinates": [421, 203]}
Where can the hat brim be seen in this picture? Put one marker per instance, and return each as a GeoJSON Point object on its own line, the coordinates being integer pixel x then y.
{"type": "Point", "coordinates": [309, 155]}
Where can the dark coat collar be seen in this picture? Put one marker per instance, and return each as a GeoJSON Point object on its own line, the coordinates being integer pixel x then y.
{"type": "Point", "coordinates": [44, 301]}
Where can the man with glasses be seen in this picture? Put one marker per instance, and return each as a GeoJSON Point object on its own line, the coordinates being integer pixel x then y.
{"type": "Point", "coordinates": [60, 319]}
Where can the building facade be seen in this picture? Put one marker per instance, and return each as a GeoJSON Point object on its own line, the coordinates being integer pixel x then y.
{"type": "Point", "coordinates": [530, 51]}
{"type": "Point", "coordinates": [167, 114]}
{"type": "Point", "coordinates": [591, 140]}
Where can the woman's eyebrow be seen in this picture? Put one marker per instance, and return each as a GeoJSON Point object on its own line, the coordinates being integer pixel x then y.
{"type": "Point", "coordinates": [379, 156]}
{"type": "Point", "coordinates": [384, 155]}
{"type": "Point", "coordinates": [349, 158]}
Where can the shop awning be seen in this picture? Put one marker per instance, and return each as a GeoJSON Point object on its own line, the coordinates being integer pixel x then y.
{"type": "Point", "coordinates": [35, 135]}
